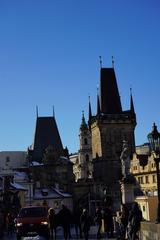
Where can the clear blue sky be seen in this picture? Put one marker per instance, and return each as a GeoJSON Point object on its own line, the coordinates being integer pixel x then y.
{"type": "Point", "coordinates": [49, 55]}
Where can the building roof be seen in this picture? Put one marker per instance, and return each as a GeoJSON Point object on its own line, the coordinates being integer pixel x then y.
{"type": "Point", "coordinates": [50, 193]}
{"type": "Point", "coordinates": [17, 186]}
{"type": "Point", "coordinates": [109, 95]}
{"type": "Point", "coordinates": [46, 134]}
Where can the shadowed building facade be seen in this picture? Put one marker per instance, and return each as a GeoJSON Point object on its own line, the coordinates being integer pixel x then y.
{"type": "Point", "coordinates": [109, 128]}
{"type": "Point", "coordinates": [49, 161]}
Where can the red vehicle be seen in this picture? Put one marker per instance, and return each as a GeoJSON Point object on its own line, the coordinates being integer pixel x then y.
{"type": "Point", "coordinates": [32, 221]}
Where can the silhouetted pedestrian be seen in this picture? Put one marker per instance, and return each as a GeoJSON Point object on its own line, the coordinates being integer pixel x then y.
{"type": "Point", "coordinates": [65, 217]}
{"type": "Point", "coordinates": [85, 221]}
{"type": "Point", "coordinates": [52, 222]}
{"type": "Point", "coordinates": [124, 215]}
{"type": "Point", "coordinates": [135, 217]}
{"type": "Point", "coordinates": [98, 221]}
{"type": "Point", "coordinates": [10, 223]}
{"type": "Point", "coordinates": [1, 223]}
{"type": "Point", "coordinates": [76, 220]}
{"type": "Point", "coordinates": [108, 222]}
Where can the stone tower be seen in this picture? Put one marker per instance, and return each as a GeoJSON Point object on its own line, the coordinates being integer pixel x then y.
{"type": "Point", "coordinates": [85, 152]}
{"type": "Point", "coordinates": [109, 128]}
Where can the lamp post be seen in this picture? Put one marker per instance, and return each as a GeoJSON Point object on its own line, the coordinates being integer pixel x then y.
{"type": "Point", "coordinates": [154, 142]}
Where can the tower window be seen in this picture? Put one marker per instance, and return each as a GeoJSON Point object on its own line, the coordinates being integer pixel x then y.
{"type": "Point", "coordinates": [87, 158]}
{"type": "Point", "coordinates": [85, 141]}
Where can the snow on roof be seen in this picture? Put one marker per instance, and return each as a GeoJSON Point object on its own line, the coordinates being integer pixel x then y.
{"type": "Point", "coordinates": [60, 192]}
{"type": "Point", "coordinates": [18, 186]}
{"type": "Point", "coordinates": [65, 160]}
{"type": "Point", "coordinates": [45, 194]}
{"type": "Point", "coordinates": [22, 175]}
{"type": "Point", "coordinates": [34, 163]}
{"type": "Point", "coordinates": [49, 194]}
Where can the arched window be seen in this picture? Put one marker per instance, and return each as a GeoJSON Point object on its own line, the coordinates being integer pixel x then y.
{"type": "Point", "coordinates": [87, 158]}
{"type": "Point", "coordinates": [85, 141]}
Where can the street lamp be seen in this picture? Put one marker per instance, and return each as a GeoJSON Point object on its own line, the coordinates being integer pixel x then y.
{"type": "Point", "coordinates": [154, 142]}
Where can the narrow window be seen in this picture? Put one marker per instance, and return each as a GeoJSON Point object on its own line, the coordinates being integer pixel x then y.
{"type": "Point", "coordinates": [87, 158]}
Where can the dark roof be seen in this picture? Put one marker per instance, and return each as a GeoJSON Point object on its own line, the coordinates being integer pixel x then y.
{"type": "Point", "coordinates": [109, 94]}
{"type": "Point", "coordinates": [46, 134]}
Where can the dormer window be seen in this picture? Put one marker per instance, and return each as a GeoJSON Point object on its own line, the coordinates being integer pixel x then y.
{"type": "Point", "coordinates": [44, 192]}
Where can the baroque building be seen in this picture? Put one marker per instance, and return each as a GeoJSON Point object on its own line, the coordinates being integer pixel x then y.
{"type": "Point", "coordinates": [143, 169]}
{"type": "Point", "coordinates": [83, 167]}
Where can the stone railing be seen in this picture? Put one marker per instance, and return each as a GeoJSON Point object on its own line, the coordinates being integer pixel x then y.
{"type": "Point", "coordinates": [149, 231]}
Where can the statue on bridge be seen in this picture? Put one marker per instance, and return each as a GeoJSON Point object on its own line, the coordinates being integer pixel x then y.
{"type": "Point", "coordinates": [125, 159]}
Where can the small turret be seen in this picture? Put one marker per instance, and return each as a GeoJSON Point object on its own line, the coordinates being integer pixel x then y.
{"type": "Point", "coordinates": [83, 123]}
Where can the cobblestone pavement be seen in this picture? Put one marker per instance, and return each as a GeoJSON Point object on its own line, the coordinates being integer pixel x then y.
{"type": "Point", "coordinates": [92, 235]}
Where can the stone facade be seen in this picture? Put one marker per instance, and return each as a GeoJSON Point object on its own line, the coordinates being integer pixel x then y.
{"type": "Point", "coordinates": [109, 128]}
{"type": "Point", "coordinates": [146, 179]}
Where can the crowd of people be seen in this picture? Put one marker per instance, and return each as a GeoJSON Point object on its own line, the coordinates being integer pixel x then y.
{"type": "Point", "coordinates": [126, 224]}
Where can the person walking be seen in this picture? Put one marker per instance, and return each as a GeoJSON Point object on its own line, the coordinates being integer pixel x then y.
{"type": "Point", "coordinates": [76, 220]}
{"type": "Point", "coordinates": [123, 220]}
{"type": "Point", "coordinates": [135, 217]}
{"type": "Point", "coordinates": [108, 222]}
{"type": "Point", "coordinates": [10, 223]}
{"type": "Point", "coordinates": [65, 218]}
{"type": "Point", "coordinates": [52, 222]}
{"type": "Point", "coordinates": [85, 222]}
{"type": "Point", "coordinates": [1, 223]}
{"type": "Point", "coordinates": [98, 221]}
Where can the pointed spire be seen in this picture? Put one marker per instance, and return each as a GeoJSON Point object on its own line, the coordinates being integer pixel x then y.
{"type": "Point", "coordinates": [109, 94]}
{"type": "Point", "coordinates": [83, 123]}
{"type": "Point", "coordinates": [37, 111]}
{"type": "Point", "coordinates": [90, 110]}
{"type": "Point", "coordinates": [53, 111]}
{"type": "Point", "coordinates": [131, 102]}
{"type": "Point", "coordinates": [98, 103]}
{"type": "Point", "coordinates": [112, 61]}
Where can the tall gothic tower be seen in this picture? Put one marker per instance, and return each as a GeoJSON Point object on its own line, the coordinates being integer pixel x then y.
{"type": "Point", "coordinates": [85, 152]}
{"type": "Point", "coordinates": [109, 128]}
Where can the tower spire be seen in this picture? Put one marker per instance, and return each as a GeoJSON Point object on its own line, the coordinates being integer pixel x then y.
{"type": "Point", "coordinates": [112, 61]}
{"type": "Point", "coordinates": [83, 123]}
{"type": "Point", "coordinates": [98, 103]}
{"type": "Point", "coordinates": [90, 110]}
{"type": "Point", "coordinates": [53, 111]}
{"type": "Point", "coordinates": [109, 94]}
{"type": "Point", "coordinates": [131, 102]}
{"type": "Point", "coordinates": [37, 111]}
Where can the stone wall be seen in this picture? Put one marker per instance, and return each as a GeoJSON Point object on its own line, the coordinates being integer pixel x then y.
{"type": "Point", "coordinates": [149, 231]}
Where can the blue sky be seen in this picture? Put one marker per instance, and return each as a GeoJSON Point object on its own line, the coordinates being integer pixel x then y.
{"type": "Point", "coordinates": [49, 55]}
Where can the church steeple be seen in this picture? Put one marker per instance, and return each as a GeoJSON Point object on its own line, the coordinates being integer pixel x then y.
{"type": "Point", "coordinates": [83, 123]}
{"type": "Point", "coordinates": [109, 99]}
